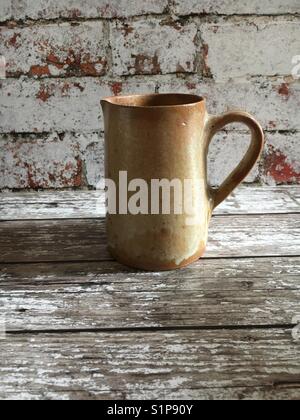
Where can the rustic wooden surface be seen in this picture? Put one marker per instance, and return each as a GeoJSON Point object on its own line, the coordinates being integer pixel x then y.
{"type": "Point", "coordinates": [81, 326]}
{"type": "Point", "coordinates": [89, 204]}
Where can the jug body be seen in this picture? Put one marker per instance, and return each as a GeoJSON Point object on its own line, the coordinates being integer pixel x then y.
{"type": "Point", "coordinates": [156, 150]}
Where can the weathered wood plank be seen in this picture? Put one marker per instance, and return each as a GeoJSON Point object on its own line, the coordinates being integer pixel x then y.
{"type": "Point", "coordinates": [260, 200]}
{"type": "Point", "coordinates": [156, 364]}
{"type": "Point", "coordinates": [39, 297]}
{"type": "Point", "coordinates": [52, 205]}
{"type": "Point", "coordinates": [246, 393]}
{"type": "Point", "coordinates": [90, 204]}
{"type": "Point", "coordinates": [48, 197]}
{"type": "Point", "coordinates": [278, 273]}
{"type": "Point", "coordinates": [268, 393]}
{"type": "Point", "coordinates": [294, 191]}
{"type": "Point", "coordinates": [85, 240]}
{"type": "Point", "coordinates": [238, 236]}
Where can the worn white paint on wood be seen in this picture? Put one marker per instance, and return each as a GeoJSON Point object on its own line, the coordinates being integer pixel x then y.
{"type": "Point", "coordinates": [236, 361]}
{"type": "Point", "coordinates": [295, 192]}
{"type": "Point", "coordinates": [277, 273]}
{"type": "Point", "coordinates": [280, 392]}
{"type": "Point", "coordinates": [155, 362]}
{"type": "Point", "coordinates": [254, 236]}
{"type": "Point", "coordinates": [91, 204]}
{"type": "Point", "coordinates": [85, 240]}
{"type": "Point", "coordinates": [105, 295]}
{"type": "Point", "coordinates": [270, 393]}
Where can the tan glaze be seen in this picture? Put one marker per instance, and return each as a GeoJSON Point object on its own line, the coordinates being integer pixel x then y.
{"type": "Point", "coordinates": [167, 137]}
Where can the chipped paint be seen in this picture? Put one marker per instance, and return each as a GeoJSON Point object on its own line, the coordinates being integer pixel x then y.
{"type": "Point", "coordinates": [51, 161]}
{"type": "Point", "coordinates": [59, 105]}
{"type": "Point", "coordinates": [206, 68]}
{"type": "Point", "coordinates": [152, 47]}
{"type": "Point", "coordinates": [117, 88]}
{"type": "Point", "coordinates": [56, 50]}
{"type": "Point", "coordinates": [44, 93]}
{"type": "Point", "coordinates": [280, 168]}
{"type": "Point", "coordinates": [284, 90]}
{"type": "Point", "coordinates": [144, 64]}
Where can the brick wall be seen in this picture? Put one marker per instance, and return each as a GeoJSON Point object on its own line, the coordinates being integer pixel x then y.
{"type": "Point", "coordinates": [64, 55]}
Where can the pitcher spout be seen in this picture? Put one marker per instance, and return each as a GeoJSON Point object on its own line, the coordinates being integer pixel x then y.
{"type": "Point", "coordinates": [104, 104]}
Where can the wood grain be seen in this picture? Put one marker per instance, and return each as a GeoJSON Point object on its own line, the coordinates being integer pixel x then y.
{"type": "Point", "coordinates": [90, 204]}
{"type": "Point", "coordinates": [91, 296]}
{"type": "Point", "coordinates": [85, 240]}
{"type": "Point", "coordinates": [156, 364]}
{"type": "Point", "coordinates": [81, 326]}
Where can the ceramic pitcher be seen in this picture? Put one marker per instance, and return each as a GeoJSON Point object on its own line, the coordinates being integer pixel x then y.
{"type": "Point", "coordinates": [165, 137]}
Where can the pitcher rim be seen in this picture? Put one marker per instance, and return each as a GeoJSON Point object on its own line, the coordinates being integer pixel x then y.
{"type": "Point", "coordinates": [193, 100]}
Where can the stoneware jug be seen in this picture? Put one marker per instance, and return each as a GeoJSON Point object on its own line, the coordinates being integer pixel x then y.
{"type": "Point", "coordinates": [166, 137]}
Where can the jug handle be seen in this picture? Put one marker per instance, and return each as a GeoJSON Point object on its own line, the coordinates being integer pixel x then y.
{"type": "Point", "coordinates": [217, 123]}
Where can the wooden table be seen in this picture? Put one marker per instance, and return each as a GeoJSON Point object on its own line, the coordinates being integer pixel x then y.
{"type": "Point", "coordinates": [79, 325]}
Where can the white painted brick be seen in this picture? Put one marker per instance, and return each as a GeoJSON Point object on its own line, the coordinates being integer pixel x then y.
{"type": "Point", "coordinates": [94, 163]}
{"type": "Point", "coordinates": [77, 160]}
{"type": "Point", "coordinates": [73, 104]}
{"type": "Point", "coordinates": [45, 9]}
{"type": "Point", "coordinates": [274, 102]}
{"type": "Point", "coordinates": [29, 106]}
{"type": "Point", "coordinates": [282, 159]}
{"type": "Point", "coordinates": [73, 160]}
{"type": "Point", "coordinates": [225, 153]}
{"type": "Point", "coordinates": [232, 7]}
{"type": "Point", "coordinates": [153, 47]}
{"type": "Point", "coordinates": [50, 161]}
{"type": "Point", "coordinates": [55, 50]}
{"type": "Point", "coordinates": [5, 10]}
{"type": "Point", "coordinates": [251, 47]}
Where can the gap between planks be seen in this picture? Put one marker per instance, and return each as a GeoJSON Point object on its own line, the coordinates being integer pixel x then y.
{"type": "Point", "coordinates": [151, 330]}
